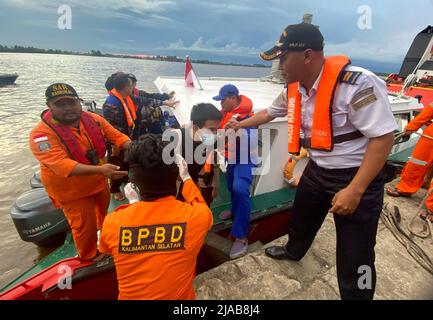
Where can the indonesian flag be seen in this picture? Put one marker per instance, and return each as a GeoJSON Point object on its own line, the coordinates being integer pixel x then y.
{"type": "Point", "coordinates": [189, 74]}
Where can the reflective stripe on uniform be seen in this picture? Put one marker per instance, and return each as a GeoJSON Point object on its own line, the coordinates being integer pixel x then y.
{"type": "Point", "coordinates": [418, 162]}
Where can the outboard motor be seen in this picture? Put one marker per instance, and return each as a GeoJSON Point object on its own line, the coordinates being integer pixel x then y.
{"type": "Point", "coordinates": [36, 219]}
{"type": "Point", "coordinates": [88, 105]}
{"type": "Point", "coordinates": [35, 180]}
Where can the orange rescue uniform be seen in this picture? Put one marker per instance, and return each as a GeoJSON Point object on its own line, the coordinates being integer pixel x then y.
{"type": "Point", "coordinates": [412, 176]}
{"type": "Point", "coordinates": [84, 199]}
{"type": "Point", "coordinates": [155, 245]}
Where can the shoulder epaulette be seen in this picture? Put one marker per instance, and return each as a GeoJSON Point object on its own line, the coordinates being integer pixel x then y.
{"type": "Point", "coordinates": [350, 77]}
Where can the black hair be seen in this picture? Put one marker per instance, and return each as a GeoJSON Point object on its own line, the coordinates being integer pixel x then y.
{"type": "Point", "coordinates": [204, 111]}
{"type": "Point", "coordinates": [109, 84]}
{"type": "Point", "coordinates": [121, 81]}
{"type": "Point", "coordinates": [146, 151]}
{"type": "Point", "coordinates": [154, 178]}
{"type": "Point", "coordinates": [132, 77]}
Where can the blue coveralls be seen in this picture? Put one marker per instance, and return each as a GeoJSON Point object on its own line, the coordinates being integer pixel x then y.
{"type": "Point", "coordinates": [239, 178]}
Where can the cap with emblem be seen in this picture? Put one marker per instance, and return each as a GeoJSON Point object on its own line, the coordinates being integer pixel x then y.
{"type": "Point", "coordinates": [296, 37]}
{"type": "Point", "coordinates": [60, 90]}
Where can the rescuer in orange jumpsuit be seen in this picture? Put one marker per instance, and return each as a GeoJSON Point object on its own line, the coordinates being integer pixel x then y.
{"type": "Point", "coordinates": [70, 146]}
{"type": "Point", "coordinates": [155, 242]}
{"type": "Point", "coordinates": [412, 176]}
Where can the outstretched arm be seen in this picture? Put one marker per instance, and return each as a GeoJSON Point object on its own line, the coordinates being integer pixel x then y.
{"type": "Point", "coordinates": [420, 120]}
{"type": "Point", "coordinates": [259, 118]}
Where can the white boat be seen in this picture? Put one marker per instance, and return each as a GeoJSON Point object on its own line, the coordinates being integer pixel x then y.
{"type": "Point", "coordinates": [262, 91]}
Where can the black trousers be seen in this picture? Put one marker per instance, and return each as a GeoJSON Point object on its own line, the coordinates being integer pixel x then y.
{"type": "Point", "coordinates": [356, 233]}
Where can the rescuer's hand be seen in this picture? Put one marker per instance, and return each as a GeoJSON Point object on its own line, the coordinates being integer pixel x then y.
{"type": "Point", "coordinates": [131, 194]}
{"type": "Point", "coordinates": [345, 201]}
{"type": "Point", "coordinates": [408, 132]}
{"type": "Point", "coordinates": [171, 103]}
{"type": "Point", "coordinates": [111, 171]}
{"type": "Point", "coordinates": [183, 168]}
{"type": "Point", "coordinates": [233, 124]}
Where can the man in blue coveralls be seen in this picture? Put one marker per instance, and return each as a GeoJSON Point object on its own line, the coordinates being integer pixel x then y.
{"type": "Point", "coordinates": [239, 169]}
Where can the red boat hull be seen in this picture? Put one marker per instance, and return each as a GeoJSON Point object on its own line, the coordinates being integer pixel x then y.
{"type": "Point", "coordinates": [98, 281]}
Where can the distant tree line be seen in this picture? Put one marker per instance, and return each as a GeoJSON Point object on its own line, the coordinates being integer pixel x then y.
{"type": "Point", "coordinates": [97, 53]}
{"type": "Point", "coordinates": [22, 49]}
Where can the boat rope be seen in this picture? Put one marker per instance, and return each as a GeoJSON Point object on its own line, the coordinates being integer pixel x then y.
{"type": "Point", "coordinates": [429, 230]}
{"type": "Point", "coordinates": [391, 219]}
{"type": "Point", "coordinates": [398, 136]}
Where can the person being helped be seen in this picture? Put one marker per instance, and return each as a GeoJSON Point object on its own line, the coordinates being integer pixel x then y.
{"type": "Point", "coordinates": [239, 168]}
{"type": "Point", "coordinates": [419, 164]}
{"type": "Point", "coordinates": [156, 239]}
{"type": "Point", "coordinates": [148, 105]}
{"type": "Point", "coordinates": [149, 111]}
{"type": "Point", "coordinates": [119, 111]}
{"type": "Point", "coordinates": [201, 134]}
{"type": "Point", "coordinates": [148, 114]}
{"type": "Point", "coordinates": [345, 116]}
{"type": "Point", "coordinates": [70, 147]}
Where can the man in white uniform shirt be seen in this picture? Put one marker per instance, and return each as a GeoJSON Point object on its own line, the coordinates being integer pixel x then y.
{"type": "Point", "coordinates": [342, 115]}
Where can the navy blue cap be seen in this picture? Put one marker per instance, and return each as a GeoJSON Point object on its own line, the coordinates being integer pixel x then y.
{"type": "Point", "coordinates": [296, 37]}
{"type": "Point", "coordinates": [227, 91]}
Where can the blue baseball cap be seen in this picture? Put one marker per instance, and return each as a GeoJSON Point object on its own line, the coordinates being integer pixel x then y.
{"type": "Point", "coordinates": [226, 91]}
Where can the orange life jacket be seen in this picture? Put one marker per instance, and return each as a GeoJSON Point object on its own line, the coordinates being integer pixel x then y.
{"type": "Point", "coordinates": [70, 142]}
{"type": "Point", "coordinates": [321, 134]}
{"type": "Point", "coordinates": [244, 111]}
{"type": "Point", "coordinates": [128, 108]}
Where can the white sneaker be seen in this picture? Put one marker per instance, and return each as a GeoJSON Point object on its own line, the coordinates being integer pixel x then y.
{"type": "Point", "coordinates": [239, 248]}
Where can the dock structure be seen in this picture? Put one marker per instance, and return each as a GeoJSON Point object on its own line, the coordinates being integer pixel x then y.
{"type": "Point", "coordinates": [256, 276]}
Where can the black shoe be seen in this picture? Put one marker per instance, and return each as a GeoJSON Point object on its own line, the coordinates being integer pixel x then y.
{"type": "Point", "coordinates": [278, 252]}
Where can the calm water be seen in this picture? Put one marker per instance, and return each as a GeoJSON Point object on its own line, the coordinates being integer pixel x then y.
{"type": "Point", "coordinates": [21, 105]}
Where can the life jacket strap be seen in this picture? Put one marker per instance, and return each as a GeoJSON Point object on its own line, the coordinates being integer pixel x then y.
{"type": "Point", "coordinates": [306, 142]}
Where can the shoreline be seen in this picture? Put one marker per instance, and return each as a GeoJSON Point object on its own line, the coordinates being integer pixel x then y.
{"type": "Point", "coordinates": [136, 57]}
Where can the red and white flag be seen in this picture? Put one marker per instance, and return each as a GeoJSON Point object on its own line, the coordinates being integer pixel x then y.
{"type": "Point", "coordinates": [189, 74]}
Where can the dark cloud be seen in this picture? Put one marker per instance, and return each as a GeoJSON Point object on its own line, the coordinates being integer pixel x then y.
{"type": "Point", "coordinates": [231, 28]}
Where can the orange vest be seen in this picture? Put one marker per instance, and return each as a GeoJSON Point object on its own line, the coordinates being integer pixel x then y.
{"type": "Point", "coordinates": [128, 108]}
{"type": "Point", "coordinates": [155, 245]}
{"type": "Point", "coordinates": [244, 111]}
{"type": "Point", "coordinates": [321, 134]}
{"type": "Point", "coordinates": [71, 143]}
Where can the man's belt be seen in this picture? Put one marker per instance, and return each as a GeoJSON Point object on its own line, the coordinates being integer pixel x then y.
{"type": "Point", "coordinates": [306, 142]}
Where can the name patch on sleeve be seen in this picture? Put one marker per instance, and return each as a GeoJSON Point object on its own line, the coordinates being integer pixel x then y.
{"type": "Point", "coordinates": [160, 237]}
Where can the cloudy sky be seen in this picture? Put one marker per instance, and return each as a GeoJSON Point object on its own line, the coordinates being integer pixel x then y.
{"type": "Point", "coordinates": [219, 30]}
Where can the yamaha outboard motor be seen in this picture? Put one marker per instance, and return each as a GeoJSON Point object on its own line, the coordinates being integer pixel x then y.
{"type": "Point", "coordinates": [36, 219]}
{"type": "Point", "coordinates": [35, 180]}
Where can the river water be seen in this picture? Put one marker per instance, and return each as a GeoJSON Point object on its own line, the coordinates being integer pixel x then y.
{"type": "Point", "coordinates": [22, 104]}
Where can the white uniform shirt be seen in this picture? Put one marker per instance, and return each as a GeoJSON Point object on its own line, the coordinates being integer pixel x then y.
{"type": "Point", "coordinates": [362, 106]}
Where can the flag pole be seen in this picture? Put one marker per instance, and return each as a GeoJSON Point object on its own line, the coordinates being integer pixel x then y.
{"type": "Point", "coordinates": [192, 68]}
